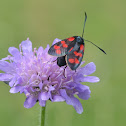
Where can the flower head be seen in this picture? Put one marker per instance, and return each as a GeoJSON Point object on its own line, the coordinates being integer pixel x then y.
{"type": "Point", "coordinates": [37, 74]}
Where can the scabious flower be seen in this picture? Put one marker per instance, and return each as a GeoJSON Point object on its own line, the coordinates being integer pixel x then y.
{"type": "Point", "coordinates": [37, 74]}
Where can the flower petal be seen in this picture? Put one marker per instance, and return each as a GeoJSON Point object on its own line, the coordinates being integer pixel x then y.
{"type": "Point", "coordinates": [14, 51]}
{"type": "Point", "coordinates": [41, 102]}
{"type": "Point", "coordinates": [56, 40]}
{"type": "Point", "coordinates": [44, 96]}
{"type": "Point", "coordinates": [72, 101]}
{"type": "Point", "coordinates": [15, 89]}
{"type": "Point", "coordinates": [77, 105]}
{"type": "Point", "coordinates": [26, 46]}
{"type": "Point", "coordinates": [78, 77]}
{"type": "Point", "coordinates": [57, 98]}
{"type": "Point", "coordinates": [91, 79]}
{"type": "Point", "coordinates": [5, 77]}
{"type": "Point", "coordinates": [6, 67]}
{"type": "Point", "coordinates": [6, 58]}
{"type": "Point", "coordinates": [11, 83]}
{"type": "Point", "coordinates": [51, 88]}
{"type": "Point", "coordinates": [40, 50]}
{"type": "Point", "coordinates": [80, 88]}
{"type": "Point", "coordinates": [30, 102]}
{"type": "Point", "coordinates": [64, 95]}
{"type": "Point", "coordinates": [88, 69]}
{"type": "Point", "coordinates": [85, 94]}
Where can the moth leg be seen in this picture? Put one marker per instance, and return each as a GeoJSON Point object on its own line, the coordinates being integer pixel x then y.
{"type": "Point", "coordinates": [54, 60]}
{"type": "Point", "coordinates": [64, 71]}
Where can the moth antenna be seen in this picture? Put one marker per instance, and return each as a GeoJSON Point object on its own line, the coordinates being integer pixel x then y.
{"type": "Point", "coordinates": [96, 46]}
{"type": "Point", "coordinates": [84, 24]}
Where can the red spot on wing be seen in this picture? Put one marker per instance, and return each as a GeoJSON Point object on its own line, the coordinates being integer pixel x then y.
{"type": "Point", "coordinates": [76, 61]}
{"type": "Point", "coordinates": [58, 51]}
{"type": "Point", "coordinates": [70, 49]}
{"type": "Point", "coordinates": [77, 54]}
{"type": "Point", "coordinates": [81, 47]}
{"type": "Point", "coordinates": [71, 60]}
{"type": "Point", "coordinates": [64, 44]}
{"type": "Point", "coordinates": [80, 54]}
{"type": "Point", "coordinates": [71, 39]}
{"type": "Point", "coordinates": [56, 47]}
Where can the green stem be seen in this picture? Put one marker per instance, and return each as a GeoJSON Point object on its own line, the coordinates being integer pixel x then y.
{"type": "Point", "coordinates": [43, 116]}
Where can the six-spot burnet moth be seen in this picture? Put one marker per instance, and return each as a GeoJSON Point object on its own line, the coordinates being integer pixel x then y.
{"type": "Point", "coordinates": [70, 51]}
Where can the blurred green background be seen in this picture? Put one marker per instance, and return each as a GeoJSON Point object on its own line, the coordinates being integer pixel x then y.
{"type": "Point", "coordinates": [43, 21]}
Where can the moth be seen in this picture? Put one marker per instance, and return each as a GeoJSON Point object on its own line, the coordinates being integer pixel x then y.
{"type": "Point", "coordinates": [70, 51]}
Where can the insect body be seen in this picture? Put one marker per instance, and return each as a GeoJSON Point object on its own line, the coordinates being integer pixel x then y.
{"type": "Point", "coordinates": [61, 61]}
{"type": "Point", "coordinates": [70, 51]}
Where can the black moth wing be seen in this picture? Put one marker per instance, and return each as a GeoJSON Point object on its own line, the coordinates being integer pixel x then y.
{"type": "Point", "coordinates": [61, 48]}
{"type": "Point", "coordinates": [75, 56]}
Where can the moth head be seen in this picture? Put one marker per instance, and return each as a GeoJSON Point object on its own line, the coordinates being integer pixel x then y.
{"type": "Point", "coordinates": [79, 39]}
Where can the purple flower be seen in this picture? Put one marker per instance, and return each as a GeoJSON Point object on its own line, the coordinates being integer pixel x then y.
{"type": "Point", "coordinates": [37, 74]}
